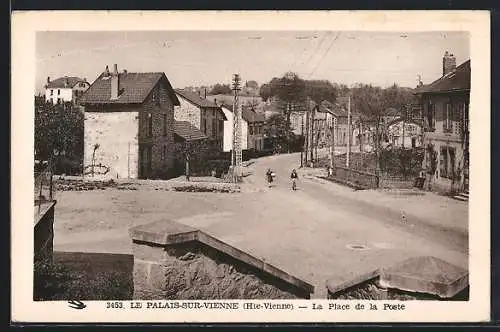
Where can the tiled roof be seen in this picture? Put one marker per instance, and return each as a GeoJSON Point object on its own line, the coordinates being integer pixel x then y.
{"type": "Point", "coordinates": [196, 99]}
{"type": "Point", "coordinates": [135, 88]}
{"type": "Point", "coordinates": [252, 116]}
{"type": "Point", "coordinates": [457, 80]}
{"type": "Point", "coordinates": [187, 131]}
{"type": "Point", "coordinates": [64, 82]}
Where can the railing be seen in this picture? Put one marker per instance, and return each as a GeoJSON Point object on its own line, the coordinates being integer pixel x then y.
{"type": "Point", "coordinates": [43, 186]}
{"type": "Point", "coordinates": [355, 178]}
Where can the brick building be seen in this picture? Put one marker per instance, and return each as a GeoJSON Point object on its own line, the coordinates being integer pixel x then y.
{"type": "Point", "coordinates": [203, 114]}
{"type": "Point", "coordinates": [129, 130]}
{"type": "Point", "coordinates": [445, 104]}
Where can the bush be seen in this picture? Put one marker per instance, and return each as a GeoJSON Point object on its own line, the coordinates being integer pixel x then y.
{"type": "Point", "coordinates": [53, 281]}
{"type": "Point", "coordinates": [68, 166]}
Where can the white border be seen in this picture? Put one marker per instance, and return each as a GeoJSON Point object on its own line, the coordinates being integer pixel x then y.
{"type": "Point", "coordinates": [24, 26]}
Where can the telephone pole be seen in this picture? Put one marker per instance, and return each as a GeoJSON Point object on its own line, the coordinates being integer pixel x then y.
{"type": "Point", "coordinates": [237, 161]}
{"type": "Point", "coordinates": [348, 156]}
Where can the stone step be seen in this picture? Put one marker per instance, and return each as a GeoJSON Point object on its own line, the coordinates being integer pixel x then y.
{"type": "Point", "coordinates": [461, 198]}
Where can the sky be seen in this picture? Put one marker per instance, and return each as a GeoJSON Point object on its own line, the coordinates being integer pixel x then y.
{"type": "Point", "coordinates": [194, 58]}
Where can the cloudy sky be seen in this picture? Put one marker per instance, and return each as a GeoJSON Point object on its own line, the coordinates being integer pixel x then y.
{"type": "Point", "coordinates": [204, 58]}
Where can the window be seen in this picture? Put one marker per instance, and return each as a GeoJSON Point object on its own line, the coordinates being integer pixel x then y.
{"type": "Point", "coordinates": [51, 92]}
{"type": "Point", "coordinates": [447, 162]}
{"type": "Point", "coordinates": [447, 114]}
{"type": "Point", "coordinates": [155, 98]}
{"type": "Point", "coordinates": [221, 126]}
{"type": "Point", "coordinates": [164, 153]}
{"type": "Point", "coordinates": [214, 127]}
{"type": "Point", "coordinates": [150, 125]}
{"type": "Point", "coordinates": [165, 124]}
{"type": "Point", "coordinates": [58, 92]}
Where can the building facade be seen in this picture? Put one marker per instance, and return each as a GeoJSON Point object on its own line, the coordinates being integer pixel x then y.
{"type": "Point", "coordinates": [255, 132]}
{"type": "Point", "coordinates": [203, 114]}
{"type": "Point", "coordinates": [404, 134]}
{"type": "Point", "coordinates": [129, 131]}
{"type": "Point", "coordinates": [65, 89]}
{"type": "Point", "coordinates": [229, 129]}
{"type": "Point", "coordinates": [445, 104]}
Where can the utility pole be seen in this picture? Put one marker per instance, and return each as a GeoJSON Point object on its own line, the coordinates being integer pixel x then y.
{"type": "Point", "coordinates": [304, 143]}
{"type": "Point", "coordinates": [306, 138]}
{"type": "Point", "coordinates": [237, 129]}
{"type": "Point", "coordinates": [332, 147]}
{"type": "Point", "coordinates": [348, 156]}
{"type": "Point", "coordinates": [312, 132]}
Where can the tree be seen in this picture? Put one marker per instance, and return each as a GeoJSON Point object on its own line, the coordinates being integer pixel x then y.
{"type": "Point", "coordinates": [373, 101]}
{"type": "Point", "coordinates": [221, 89]}
{"type": "Point", "coordinates": [252, 85]}
{"type": "Point", "coordinates": [58, 131]}
{"type": "Point", "coordinates": [319, 90]}
{"type": "Point", "coordinates": [278, 130]}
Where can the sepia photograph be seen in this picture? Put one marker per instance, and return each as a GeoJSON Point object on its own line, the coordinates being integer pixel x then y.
{"type": "Point", "coordinates": [252, 164]}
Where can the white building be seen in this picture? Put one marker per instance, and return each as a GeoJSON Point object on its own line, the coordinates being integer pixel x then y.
{"type": "Point", "coordinates": [65, 89]}
{"type": "Point", "coordinates": [405, 134]}
{"type": "Point", "coordinates": [229, 129]}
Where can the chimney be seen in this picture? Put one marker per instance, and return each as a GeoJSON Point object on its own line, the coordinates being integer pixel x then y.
{"type": "Point", "coordinates": [48, 79]}
{"type": "Point", "coordinates": [115, 83]}
{"type": "Point", "coordinates": [449, 63]}
{"type": "Point", "coordinates": [125, 71]}
{"type": "Point", "coordinates": [205, 93]}
{"type": "Point", "coordinates": [66, 82]}
{"type": "Point", "coordinates": [106, 71]}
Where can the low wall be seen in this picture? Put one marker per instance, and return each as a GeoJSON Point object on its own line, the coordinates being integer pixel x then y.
{"type": "Point", "coordinates": [173, 261]}
{"type": "Point", "coordinates": [421, 278]}
{"type": "Point", "coordinates": [44, 231]}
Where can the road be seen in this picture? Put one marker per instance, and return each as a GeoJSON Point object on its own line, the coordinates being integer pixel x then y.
{"type": "Point", "coordinates": [311, 233]}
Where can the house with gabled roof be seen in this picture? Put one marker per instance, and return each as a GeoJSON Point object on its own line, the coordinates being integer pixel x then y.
{"type": "Point", "coordinates": [129, 125]}
{"type": "Point", "coordinates": [202, 113]}
{"type": "Point", "coordinates": [445, 104]}
{"type": "Point", "coordinates": [65, 89]}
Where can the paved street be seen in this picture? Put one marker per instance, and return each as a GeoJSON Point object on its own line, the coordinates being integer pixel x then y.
{"type": "Point", "coordinates": [306, 233]}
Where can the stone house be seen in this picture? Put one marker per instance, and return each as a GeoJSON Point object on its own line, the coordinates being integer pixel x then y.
{"type": "Point", "coordinates": [404, 133]}
{"type": "Point", "coordinates": [202, 113]}
{"type": "Point", "coordinates": [65, 89]}
{"type": "Point", "coordinates": [229, 129]}
{"type": "Point", "coordinates": [445, 104]}
{"type": "Point", "coordinates": [129, 130]}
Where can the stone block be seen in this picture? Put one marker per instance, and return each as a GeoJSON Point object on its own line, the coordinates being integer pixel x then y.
{"type": "Point", "coordinates": [173, 261]}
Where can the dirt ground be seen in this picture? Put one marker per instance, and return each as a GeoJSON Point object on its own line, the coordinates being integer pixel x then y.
{"type": "Point", "coordinates": [309, 233]}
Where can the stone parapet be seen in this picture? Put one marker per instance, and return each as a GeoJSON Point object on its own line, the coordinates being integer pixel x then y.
{"type": "Point", "coordinates": [418, 278]}
{"type": "Point", "coordinates": [174, 261]}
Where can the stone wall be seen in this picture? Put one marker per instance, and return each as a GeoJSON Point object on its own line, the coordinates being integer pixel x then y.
{"type": "Point", "coordinates": [175, 261]}
{"type": "Point", "coordinates": [194, 271]}
{"type": "Point", "coordinates": [187, 112]}
{"type": "Point", "coordinates": [117, 136]}
{"type": "Point", "coordinates": [44, 232]}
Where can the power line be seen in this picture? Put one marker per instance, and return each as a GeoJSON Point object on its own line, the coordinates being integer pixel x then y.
{"type": "Point", "coordinates": [324, 55]}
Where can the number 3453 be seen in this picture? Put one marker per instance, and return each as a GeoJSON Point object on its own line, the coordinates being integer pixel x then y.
{"type": "Point", "coordinates": [114, 305]}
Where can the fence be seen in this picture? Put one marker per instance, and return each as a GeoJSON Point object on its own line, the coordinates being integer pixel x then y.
{"type": "Point", "coordinates": [43, 186]}
{"type": "Point", "coordinates": [355, 178]}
